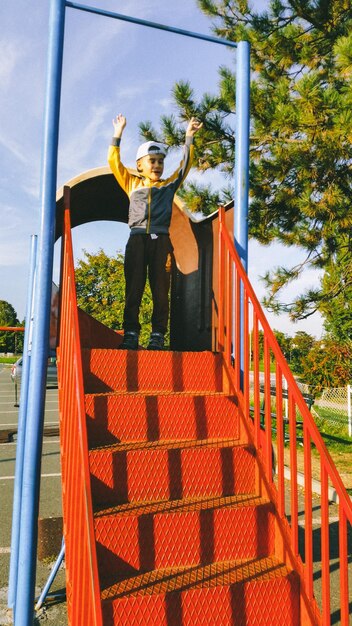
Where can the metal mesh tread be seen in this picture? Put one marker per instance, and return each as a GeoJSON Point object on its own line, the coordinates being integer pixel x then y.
{"type": "Point", "coordinates": [178, 579]}
{"type": "Point", "coordinates": [161, 392]}
{"type": "Point", "coordinates": [122, 353]}
{"type": "Point", "coordinates": [160, 444]}
{"type": "Point", "coordinates": [107, 370]}
{"type": "Point", "coordinates": [201, 503]}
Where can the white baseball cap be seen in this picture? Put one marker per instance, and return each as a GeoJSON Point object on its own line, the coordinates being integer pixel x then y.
{"type": "Point", "coordinates": [151, 147]}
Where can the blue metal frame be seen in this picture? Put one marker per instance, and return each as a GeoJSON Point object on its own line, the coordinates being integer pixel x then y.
{"type": "Point", "coordinates": [21, 429]}
{"type": "Point", "coordinates": [136, 20]}
{"type": "Point", "coordinates": [242, 170]}
{"type": "Point", "coordinates": [242, 151]}
{"type": "Point", "coordinates": [27, 556]}
{"type": "Point", "coordinates": [23, 588]}
{"type": "Point", "coordinates": [51, 578]}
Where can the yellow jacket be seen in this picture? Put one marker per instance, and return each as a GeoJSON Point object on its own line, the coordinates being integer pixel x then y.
{"type": "Point", "coordinates": [150, 202]}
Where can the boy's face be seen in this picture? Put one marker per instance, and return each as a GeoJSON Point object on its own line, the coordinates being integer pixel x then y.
{"type": "Point", "coordinates": [151, 166]}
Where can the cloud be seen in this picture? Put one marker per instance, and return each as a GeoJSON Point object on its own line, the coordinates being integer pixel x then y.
{"type": "Point", "coordinates": [10, 53]}
{"type": "Point", "coordinates": [76, 153]}
{"type": "Point", "coordinates": [166, 103]}
{"type": "Point", "coordinates": [135, 90]}
{"type": "Point", "coordinates": [14, 245]}
{"type": "Point", "coordinates": [15, 148]}
{"type": "Point", "coordinates": [94, 42]}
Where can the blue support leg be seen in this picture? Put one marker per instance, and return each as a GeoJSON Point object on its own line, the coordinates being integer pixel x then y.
{"type": "Point", "coordinates": [51, 578]}
{"type": "Point", "coordinates": [242, 167]}
{"type": "Point", "coordinates": [24, 604]}
{"type": "Point", "coordinates": [21, 430]}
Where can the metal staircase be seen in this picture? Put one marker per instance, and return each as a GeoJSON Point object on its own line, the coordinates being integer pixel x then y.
{"type": "Point", "coordinates": [184, 535]}
{"type": "Point", "coordinates": [171, 514]}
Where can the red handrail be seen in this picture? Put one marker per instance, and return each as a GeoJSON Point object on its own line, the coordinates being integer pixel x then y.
{"type": "Point", "coordinates": [237, 304]}
{"type": "Point", "coordinates": [13, 329]}
{"type": "Point", "coordinates": [82, 580]}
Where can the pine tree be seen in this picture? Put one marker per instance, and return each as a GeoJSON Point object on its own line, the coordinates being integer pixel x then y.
{"type": "Point", "coordinates": [301, 134]}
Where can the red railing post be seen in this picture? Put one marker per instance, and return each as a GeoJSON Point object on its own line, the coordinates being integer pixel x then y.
{"type": "Point", "coordinates": [267, 408]}
{"type": "Point", "coordinates": [236, 291]}
{"type": "Point", "coordinates": [228, 308]}
{"type": "Point", "coordinates": [221, 279]}
{"type": "Point", "coordinates": [293, 470]}
{"type": "Point", "coordinates": [246, 359]}
{"type": "Point", "coordinates": [280, 442]}
{"type": "Point", "coordinates": [325, 550]}
{"type": "Point", "coordinates": [343, 556]}
{"type": "Point", "coordinates": [308, 530]}
{"type": "Point", "coordinates": [256, 382]}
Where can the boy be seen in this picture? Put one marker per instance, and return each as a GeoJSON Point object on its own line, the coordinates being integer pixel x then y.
{"type": "Point", "coordinates": [148, 249]}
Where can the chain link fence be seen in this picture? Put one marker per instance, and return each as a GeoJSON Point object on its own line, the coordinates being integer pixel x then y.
{"type": "Point", "coordinates": [334, 405]}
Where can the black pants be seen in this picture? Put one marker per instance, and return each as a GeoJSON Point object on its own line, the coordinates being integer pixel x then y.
{"type": "Point", "coordinates": [152, 257]}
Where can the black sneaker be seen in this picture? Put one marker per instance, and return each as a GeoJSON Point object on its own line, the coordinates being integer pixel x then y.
{"type": "Point", "coordinates": [156, 341]}
{"type": "Point", "coordinates": [130, 341]}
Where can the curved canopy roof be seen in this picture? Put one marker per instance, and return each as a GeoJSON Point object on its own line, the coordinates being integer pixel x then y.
{"type": "Point", "coordinates": [95, 195]}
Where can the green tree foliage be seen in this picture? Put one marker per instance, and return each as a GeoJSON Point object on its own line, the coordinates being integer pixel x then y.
{"type": "Point", "coordinates": [318, 364]}
{"type": "Point", "coordinates": [9, 342]}
{"type": "Point", "coordinates": [327, 364]}
{"type": "Point", "coordinates": [299, 348]}
{"type": "Point", "coordinates": [301, 134]}
{"type": "Point", "coordinates": [337, 282]}
{"type": "Point", "coordinates": [284, 342]}
{"type": "Point", "coordinates": [100, 285]}
{"type": "Point", "coordinates": [8, 315]}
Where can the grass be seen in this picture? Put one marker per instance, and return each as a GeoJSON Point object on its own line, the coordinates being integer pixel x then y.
{"type": "Point", "coordinates": [9, 359]}
{"type": "Point", "coordinates": [333, 429]}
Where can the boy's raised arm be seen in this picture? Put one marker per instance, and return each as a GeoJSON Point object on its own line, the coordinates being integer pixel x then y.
{"type": "Point", "coordinates": [119, 123]}
{"type": "Point", "coordinates": [120, 172]}
{"type": "Point", "coordinates": [180, 174]}
{"type": "Point", "coordinates": [193, 127]}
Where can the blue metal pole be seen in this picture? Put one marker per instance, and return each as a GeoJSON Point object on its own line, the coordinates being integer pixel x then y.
{"type": "Point", "coordinates": [51, 578]}
{"type": "Point", "coordinates": [242, 164]}
{"type": "Point", "coordinates": [24, 605]}
{"type": "Point", "coordinates": [21, 429]}
{"type": "Point", "coordinates": [141, 22]}
{"type": "Point", "coordinates": [242, 151]}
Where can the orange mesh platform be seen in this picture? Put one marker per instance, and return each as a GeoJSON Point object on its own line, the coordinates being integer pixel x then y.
{"type": "Point", "coordinates": [240, 593]}
{"type": "Point", "coordinates": [128, 370]}
{"type": "Point", "coordinates": [171, 469]}
{"type": "Point", "coordinates": [145, 536]}
{"type": "Point", "coordinates": [149, 417]}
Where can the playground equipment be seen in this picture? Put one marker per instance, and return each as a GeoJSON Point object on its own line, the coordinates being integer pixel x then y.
{"type": "Point", "coordinates": [171, 515]}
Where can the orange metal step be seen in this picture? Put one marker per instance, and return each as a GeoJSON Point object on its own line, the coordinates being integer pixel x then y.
{"type": "Point", "coordinates": [255, 592]}
{"type": "Point", "coordinates": [128, 370]}
{"type": "Point", "coordinates": [160, 470]}
{"type": "Point", "coordinates": [138, 537]}
{"type": "Point", "coordinates": [135, 416]}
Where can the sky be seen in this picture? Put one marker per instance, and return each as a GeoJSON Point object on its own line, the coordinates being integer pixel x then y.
{"type": "Point", "coordinates": [109, 67]}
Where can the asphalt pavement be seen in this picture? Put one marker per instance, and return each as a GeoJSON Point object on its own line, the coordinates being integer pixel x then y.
{"type": "Point", "coordinates": [53, 612]}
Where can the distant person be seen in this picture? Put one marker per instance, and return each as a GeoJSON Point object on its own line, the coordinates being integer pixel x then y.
{"type": "Point", "coordinates": [148, 250]}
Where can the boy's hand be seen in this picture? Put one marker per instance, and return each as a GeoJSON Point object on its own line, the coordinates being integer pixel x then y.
{"type": "Point", "coordinates": [119, 124]}
{"type": "Point", "coordinates": [193, 126]}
